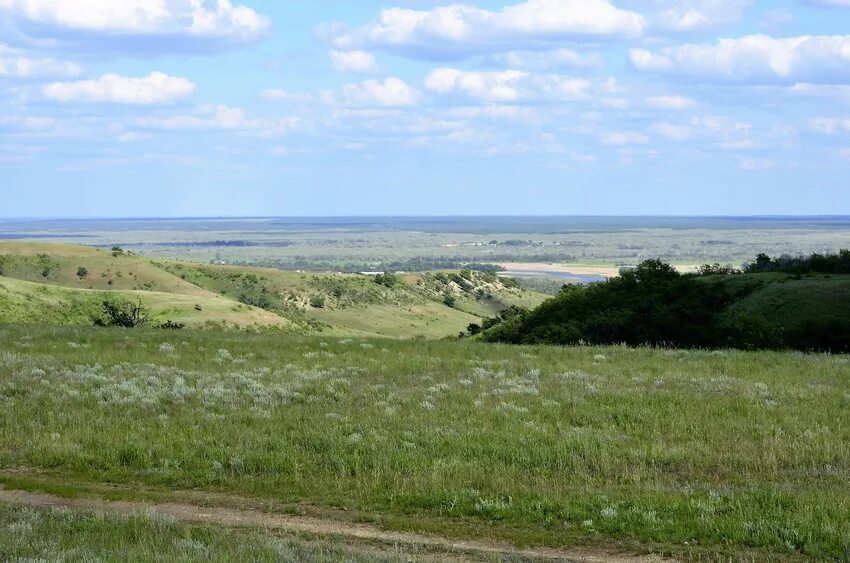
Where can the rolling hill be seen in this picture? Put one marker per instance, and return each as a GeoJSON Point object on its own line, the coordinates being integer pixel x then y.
{"type": "Point", "coordinates": [65, 284]}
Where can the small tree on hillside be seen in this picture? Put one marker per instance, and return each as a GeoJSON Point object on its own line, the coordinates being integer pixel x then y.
{"type": "Point", "coordinates": [122, 313]}
{"type": "Point", "coordinates": [82, 272]}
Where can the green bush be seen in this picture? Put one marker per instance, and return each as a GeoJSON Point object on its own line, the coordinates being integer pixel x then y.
{"type": "Point", "coordinates": [655, 305]}
{"type": "Point", "coordinates": [122, 313]}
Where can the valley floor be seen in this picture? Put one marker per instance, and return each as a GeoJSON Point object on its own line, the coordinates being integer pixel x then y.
{"type": "Point", "coordinates": [447, 449]}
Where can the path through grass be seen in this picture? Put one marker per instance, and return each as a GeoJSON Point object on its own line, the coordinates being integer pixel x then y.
{"type": "Point", "coordinates": [698, 452]}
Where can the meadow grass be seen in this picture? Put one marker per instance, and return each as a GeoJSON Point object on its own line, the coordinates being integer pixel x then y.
{"type": "Point", "coordinates": [702, 453]}
{"type": "Point", "coordinates": [48, 534]}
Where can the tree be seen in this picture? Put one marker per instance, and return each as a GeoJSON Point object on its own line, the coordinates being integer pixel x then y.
{"type": "Point", "coordinates": [122, 313]}
{"type": "Point", "coordinates": [386, 279]}
{"type": "Point", "coordinates": [317, 302]}
{"type": "Point", "coordinates": [449, 300]}
{"type": "Point", "coordinates": [82, 272]}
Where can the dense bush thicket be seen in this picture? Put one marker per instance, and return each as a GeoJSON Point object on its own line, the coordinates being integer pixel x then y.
{"type": "Point", "coordinates": [656, 305]}
{"type": "Point", "coordinates": [816, 263]}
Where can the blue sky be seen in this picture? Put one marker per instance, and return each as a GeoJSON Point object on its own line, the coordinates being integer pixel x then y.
{"type": "Point", "coordinates": [421, 107]}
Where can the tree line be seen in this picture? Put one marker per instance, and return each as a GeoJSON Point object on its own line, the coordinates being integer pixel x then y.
{"type": "Point", "coordinates": [653, 304]}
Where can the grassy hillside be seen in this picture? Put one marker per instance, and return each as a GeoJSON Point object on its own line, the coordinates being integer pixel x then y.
{"type": "Point", "coordinates": [67, 282]}
{"type": "Point", "coordinates": [789, 300]}
{"type": "Point", "coordinates": [704, 455]}
{"type": "Point", "coordinates": [24, 302]}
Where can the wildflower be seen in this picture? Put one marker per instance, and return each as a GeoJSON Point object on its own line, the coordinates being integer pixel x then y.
{"type": "Point", "coordinates": [355, 438]}
{"type": "Point", "coordinates": [166, 348]}
{"type": "Point", "coordinates": [609, 512]}
{"type": "Point", "coordinates": [600, 358]}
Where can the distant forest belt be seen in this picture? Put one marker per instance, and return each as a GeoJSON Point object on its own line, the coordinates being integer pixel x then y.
{"type": "Point", "coordinates": [580, 270]}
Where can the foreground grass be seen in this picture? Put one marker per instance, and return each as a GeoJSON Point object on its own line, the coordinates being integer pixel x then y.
{"type": "Point", "coordinates": [34, 534]}
{"type": "Point", "coordinates": [698, 452]}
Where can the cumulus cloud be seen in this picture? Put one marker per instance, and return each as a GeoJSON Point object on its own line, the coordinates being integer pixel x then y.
{"type": "Point", "coordinates": [754, 59]}
{"type": "Point", "coordinates": [461, 30]}
{"type": "Point", "coordinates": [554, 59]}
{"type": "Point", "coordinates": [156, 88]}
{"type": "Point", "coordinates": [15, 64]}
{"type": "Point", "coordinates": [830, 125]}
{"type": "Point", "coordinates": [699, 15]}
{"type": "Point", "coordinates": [756, 164]}
{"type": "Point", "coordinates": [623, 138]}
{"type": "Point", "coordinates": [493, 86]}
{"type": "Point", "coordinates": [390, 92]}
{"type": "Point", "coordinates": [358, 62]}
{"type": "Point", "coordinates": [220, 117]}
{"type": "Point", "coordinates": [670, 102]}
{"type": "Point", "coordinates": [211, 19]}
{"type": "Point", "coordinates": [671, 131]}
{"type": "Point", "coordinates": [509, 85]}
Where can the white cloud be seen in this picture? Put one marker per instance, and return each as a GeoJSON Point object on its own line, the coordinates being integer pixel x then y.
{"type": "Point", "coordinates": [358, 62]}
{"type": "Point", "coordinates": [495, 112]}
{"type": "Point", "coordinates": [30, 123]}
{"type": "Point", "coordinates": [279, 95]}
{"type": "Point", "coordinates": [15, 64]}
{"type": "Point", "coordinates": [508, 85]}
{"type": "Point", "coordinates": [623, 138]}
{"type": "Point", "coordinates": [756, 164]}
{"type": "Point", "coordinates": [195, 18]}
{"type": "Point", "coordinates": [754, 59]}
{"type": "Point", "coordinates": [131, 137]}
{"type": "Point", "coordinates": [671, 131]}
{"type": "Point", "coordinates": [699, 15]}
{"type": "Point", "coordinates": [830, 3]}
{"type": "Point", "coordinates": [390, 92]}
{"type": "Point", "coordinates": [492, 86]}
{"type": "Point", "coordinates": [554, 59]}
{"type": "Point", "coordinates": [830, 125]}
{"type": "Point", "coordinates": [220, 117]}
{"type": "Point", "coordinates": [582, 157]}
{"type": "Point", "coordinates": [387, 93]}
{"type": "Point", "coordinates": [670, 102]}
{"type": "Point", "coordinates": [156, 88]}
{"type": "Point", "coordinates": [461, 30]}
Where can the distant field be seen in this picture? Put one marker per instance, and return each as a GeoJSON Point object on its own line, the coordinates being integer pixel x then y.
{"type": "Point", "coordinates": [703, 455]}
{"type": "Point", "coordinates": [425, 244]}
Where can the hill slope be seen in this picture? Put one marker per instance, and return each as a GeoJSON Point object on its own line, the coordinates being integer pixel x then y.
{"type": "Point", "coordinates": [64, 284]}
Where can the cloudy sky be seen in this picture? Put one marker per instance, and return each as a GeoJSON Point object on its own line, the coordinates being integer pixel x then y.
{"type": "Point", "coordinates": [411, 107]}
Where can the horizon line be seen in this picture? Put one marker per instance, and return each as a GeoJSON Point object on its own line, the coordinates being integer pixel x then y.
{"type": "Point", "coordinates": [403, 216]}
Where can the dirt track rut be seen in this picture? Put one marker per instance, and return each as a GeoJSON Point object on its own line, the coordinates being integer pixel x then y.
{"type": "Point", "coordinates": [247, 518]}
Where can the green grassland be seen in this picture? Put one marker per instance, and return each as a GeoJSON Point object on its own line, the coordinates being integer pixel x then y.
{"type": "Point", "coordinates": [64, 284]}
{"type": "Point", "coordinates": [706, 455]}
{"type": "Point", "coordinates": [39, 534]}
